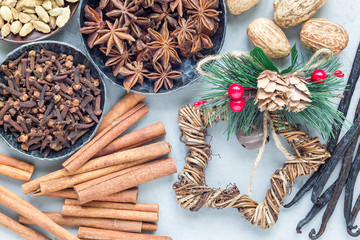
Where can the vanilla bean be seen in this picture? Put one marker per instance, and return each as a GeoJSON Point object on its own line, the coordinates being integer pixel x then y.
{"type": "Point", "coordinates": [343, 107]}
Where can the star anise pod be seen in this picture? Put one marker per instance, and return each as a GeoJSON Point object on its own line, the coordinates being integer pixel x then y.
{"type": "Point", "coordinates": [185, 31]}
{"type": "Point", "coordinates": [204, 12]}
{"type": "Point", "coordinates": [93, 24]}
{"type": "Point", "coordinates": [124, 11]}
{"type": "Point", "coordinates": [163, 45]}
{"type": "Point", "coordinates": [114, 36]}
{"type": "Point", "coordinates": [162, 14]}
{"type": "Point", "coordinates": [201, 41]}
{"type": "Point", "coordinates": [117, 60]}
{"type": "Point", "coordinates": [177, 4]}
{"type": "Point", "coordinates": [134, 73]}
{"type": "Point", "coordinates": [163, 76]}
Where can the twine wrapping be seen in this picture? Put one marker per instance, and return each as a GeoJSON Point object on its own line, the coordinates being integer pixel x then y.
{"type": "Point", "coordinates": [193, 193]}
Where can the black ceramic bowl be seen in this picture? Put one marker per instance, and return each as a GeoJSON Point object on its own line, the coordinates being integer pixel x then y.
{"type": "Point", "coordinates": [187, 66]}
{"type": "Point", "coordinates": [79, 57]}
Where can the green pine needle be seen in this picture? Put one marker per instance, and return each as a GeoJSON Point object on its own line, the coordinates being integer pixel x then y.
{"type": "Point", "coordinates": [320, 114]}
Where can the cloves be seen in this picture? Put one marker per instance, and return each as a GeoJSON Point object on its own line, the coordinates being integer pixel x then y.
{"type": "Point", "coordinates": [54, 101]}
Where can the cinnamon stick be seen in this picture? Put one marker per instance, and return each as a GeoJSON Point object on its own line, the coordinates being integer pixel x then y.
{"type": "Point", "coordinates": [134, 139]}
{"type": "Point", "coordinates": [137, 155]}
{"type": "Point", "coordinates": [102, 223]}
{"type": "Point", "coordinates": [108, 164]}
{"type": "Point", "coordinates": [22, 207]}
{"type": "Point", "coordinates": [91, 212]}
{"type": "Point", "coordinates": [143, 207]}
{"type": "Point", "coordinates": [129, 101]}
{"type": "Point", "coordinates": [127, 196]}
{"type": "Point", "coordinates": [15, 163]}
{"type": "Point", "coordinates": [100, 234]}
{"type": "Point", "coordinates": [15, 173]}
{"type": "Point", "coordinates": [19, 229]}
{"type": "Point", "coordinates": [105, 137]}
{"type": "Point", "coordinates": [140, 154]}
{"type": "Point", "coordinates": [117, 181]}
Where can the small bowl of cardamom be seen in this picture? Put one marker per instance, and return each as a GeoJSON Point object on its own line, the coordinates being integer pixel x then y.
{"type": "Point", "coordinates": [51, 100]}
{"type": "Point", "coordinates": [152, 47]}
{"type": "Point", "coordinates": [28, 21]}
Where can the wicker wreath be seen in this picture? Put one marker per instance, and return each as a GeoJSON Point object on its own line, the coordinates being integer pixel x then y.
{"type": "Point", "coordinates": [193, 193]}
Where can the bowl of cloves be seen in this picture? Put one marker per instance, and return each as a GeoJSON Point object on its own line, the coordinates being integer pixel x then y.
{"type": "Point", "coordinates": [152, 46]}
{"type": "Point", "coordinates": [51, 100]}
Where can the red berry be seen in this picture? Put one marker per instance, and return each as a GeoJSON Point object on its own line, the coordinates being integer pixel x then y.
{"type": "Point", "coordinates": [237, 105]}
{"type": "Point", "coordinates": [202, 102]}
{"type": "Point", "coordinates": [236, 91]}
{"type": "Point", "coordinates": [337, 72]}
{"type": "Point", "coordinates": [196, 104]}
{"type": "Point", "coordinates": [318, 75]}
{"type": "Point", "coordinates": [340, 75]}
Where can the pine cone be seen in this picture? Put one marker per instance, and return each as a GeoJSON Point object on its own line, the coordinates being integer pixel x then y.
{"type": "Point", "coordinates": [298, 95]}
{"type": "Point", "coordinates": [271, 91]}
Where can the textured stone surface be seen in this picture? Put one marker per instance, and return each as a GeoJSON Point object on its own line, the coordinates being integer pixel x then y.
{"type": "Point", "coordinates": [235, 163]}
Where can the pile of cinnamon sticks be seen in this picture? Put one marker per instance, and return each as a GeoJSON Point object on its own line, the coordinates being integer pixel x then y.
{"type": "Point", "coordinates": [100, 181]}
{"type": "Point", "coordinates": [15, 168]}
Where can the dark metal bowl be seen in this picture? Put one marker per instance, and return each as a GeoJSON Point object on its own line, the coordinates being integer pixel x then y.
{"type": "Point", "coordinates": [79, 57]}
{"type": "Point", "coordinates": [187, 66]}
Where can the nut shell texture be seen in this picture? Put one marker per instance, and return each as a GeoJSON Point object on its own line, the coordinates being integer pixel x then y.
{"type": "Point", "coordinates": [318, 33]}
{"type": "Point", "coordinates": [265, 34]}
{"type": "Point", "coordinates": [289, 13]}
{"type": "Point", "coordinates": [237, 7]}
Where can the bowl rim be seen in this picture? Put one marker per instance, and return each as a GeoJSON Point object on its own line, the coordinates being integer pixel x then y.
{"type": "Point", "coordinates": [97, 125]}
{"type": "Point", "coordinates": [44, 36]}
{"type": "Point", "coordinates": [193, 80]}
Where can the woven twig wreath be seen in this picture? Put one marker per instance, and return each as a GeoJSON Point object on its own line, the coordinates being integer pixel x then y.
{"type": "Point", "coordinates": [193, 193]}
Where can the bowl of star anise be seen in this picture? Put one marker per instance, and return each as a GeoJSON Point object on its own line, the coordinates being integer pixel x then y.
{"type": "Point", "coordinates": [152, 46]}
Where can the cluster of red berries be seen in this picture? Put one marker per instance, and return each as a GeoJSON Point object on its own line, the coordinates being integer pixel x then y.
{"type": "Point", "coordinates": [319, 76]}
{"type": "Point", "coordinates": [236, 93]}
{"type": "Point", "coordinates": [197, 104]}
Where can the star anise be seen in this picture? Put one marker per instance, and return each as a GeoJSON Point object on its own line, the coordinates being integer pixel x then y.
{"type": "Point", "coordinates": [201, 41]}
{"type": "Point", "coordinates": [164, 77]}
{"type": "Point", "coordinates": [179, 5]}
{"type": "Point", "coordinates": [185, 31]}
{"type": "Point", "coordinates": [117, 60]}
{"type": "Point", "coordinates": [204, 12]}
{"type": "Point", "coordinates": [164, 46]}
{"type": "Point", "coordinates": [92, 25]}
{"type": "Point", "coordinates": [114, 36]}
{"type": "Point", "coordinates": [134, 73]}
{"type": "Point", "coordinates": [124, 11]}
{"type": "Point", "coordinates": [162, 14]}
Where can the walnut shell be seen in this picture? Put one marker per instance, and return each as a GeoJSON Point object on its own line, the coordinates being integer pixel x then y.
{"type": "Point", "coordinates": [318, 33]}
{"type": "Point", "coordinates": [237, 7]}
{"type": "Point", "coordinates": [265, 34]}
{"type": "Point", "coordinates": [289, 13]}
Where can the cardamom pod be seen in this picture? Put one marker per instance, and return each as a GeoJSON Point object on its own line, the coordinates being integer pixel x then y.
{"type": "Point", "coordinates": [60, 3]}
{"type": "Point", "coordinates": [14, 13]}
{"type": "Point", "coordinates": [30, 3]}
{"type": "Point", "coordinates": [5, 30]}
{"type": "Point", "coordinates": [2, 22]}
{"type": "Point", "coordinates": [41, 26]}
{"type": "Point", "coordinates": [26, 29]}
{"type": "Point", "coordinates": [9, 3]}
{"type": "Point", "coordinates": [43, 15]}
{"type": "Point", "coordinates": [55, 12]}
{"type": "Point", "coordinates": [52, 22]}
{"type": "Point", "coordinates": [24, 17]}
{"type": "Point", "coordinates": [15, 27]}
{"type": "Point", "coordinates": [6, 13]}
{"type": "Point", "coordinates": [47, 5]}
{"type": "Point", "coordinates": [64, 17]}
